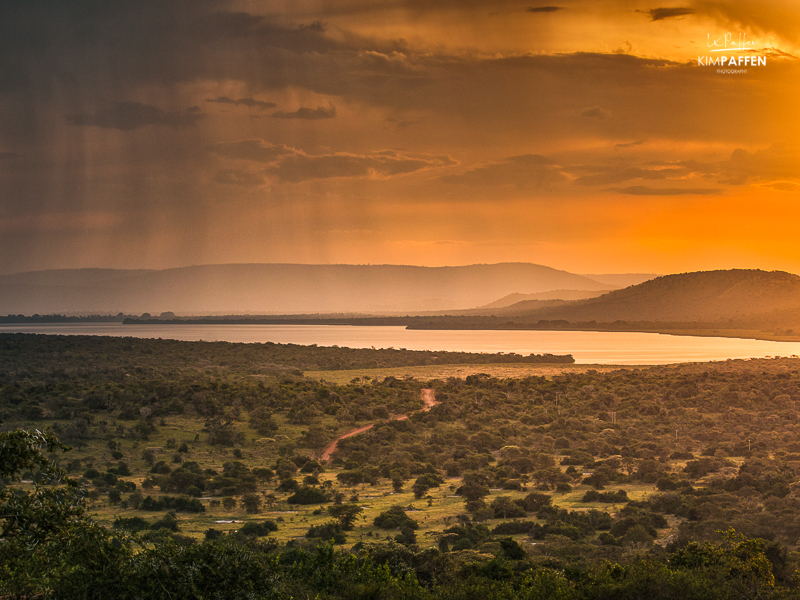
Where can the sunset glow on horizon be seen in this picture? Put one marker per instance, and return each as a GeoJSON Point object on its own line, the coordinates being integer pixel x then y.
{"type": "Point", "coordinates": [589, 136]}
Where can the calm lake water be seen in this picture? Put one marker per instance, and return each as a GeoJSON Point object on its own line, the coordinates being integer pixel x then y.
{"type": "Point", "coordinates": [588, 347]}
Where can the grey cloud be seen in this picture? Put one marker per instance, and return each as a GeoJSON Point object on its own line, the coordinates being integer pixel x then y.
{"type": "Point", "coordinates": [102, 46]}
{"type": "Point", "coordinates": [544, 9]}
{"type": "Point", "coordinates": [783, 186]}
{"type": "Point", "coordinates": [524, 172]}
{"type": "Point", "coordinates": [142, 47]}
{"type": "Point", "coordinates": [228, 26]}
{"type": "Point", "coordinates": [317, 26]}
{"type": "Point", "coordinates": [630, 144]}
{"type": "Point", "coordinates": [641, 190]}
{"type": "Point", "coordinates": [132, 115]}
{"type": "Point", "coordinates": [659, 14]}
{"type": "Point", "coordinates": [618, 175]}
{"type": "Point", "coordinates": [401, 124]}
{"type": "Point", "coordinates": [236, 177]}
{"type": "Point", "coordinates": [250, 102]}
{"type": "Point", "coordinates": [256, 150]}
{"type": "Point", "coordinates": [308, 113]}
{"type": "Point", "coordinates": [595, 112]}
{"type": "Point", "coordinates": [298, 167]}
{"type": "Point", "coordinates": [776, 166]}
{"type": "Point", "coordinates": [779, 161]}
{"type": "Point", "coordinates": [768, 17]}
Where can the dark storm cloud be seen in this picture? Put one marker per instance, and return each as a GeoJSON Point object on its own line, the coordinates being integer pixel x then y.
{"type": "Point", "coordinates": [110, 45]}
{"type": "Point", "coordinates": [528, 171]}
{"type": "Point", "coordinates": [641, 190]}
{"type": "Point", "coordinates": [255, 150]}
{"type": "Point", "coordinates": [125, 47]}
{"type": "Point", "coordinates": [311, 114]}
{"type": "Point", "coordinates": [132, 115]}
{"type": "Point", "coordinates": [249, 102]}
{"type": "Point", "coordinates": [659, 14]}
{"type": "Point", "coordinates": [299, 167]}
{"type": "Point", "coordinates": [543, 9]}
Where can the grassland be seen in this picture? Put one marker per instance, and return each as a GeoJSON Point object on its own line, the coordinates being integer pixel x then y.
{"type": "Point", "coordinates": [705, 446]}
{"type": "Point", "coordinates": [433, 372]}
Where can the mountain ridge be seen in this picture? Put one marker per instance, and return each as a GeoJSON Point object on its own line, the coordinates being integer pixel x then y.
{"type": "Point", "coordinates": [707, 296]}
{"type": "Point", "coordinates": [278, 288]}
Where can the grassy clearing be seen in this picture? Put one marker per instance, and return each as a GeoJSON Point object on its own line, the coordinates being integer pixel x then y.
{"type": "Point", "coordinates": [434, 513]}
{"type": "Point", "coordinates": [429, 372]}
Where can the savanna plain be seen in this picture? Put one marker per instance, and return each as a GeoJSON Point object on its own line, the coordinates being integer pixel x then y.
{"type": "Point", "coordinates": [222, 470]}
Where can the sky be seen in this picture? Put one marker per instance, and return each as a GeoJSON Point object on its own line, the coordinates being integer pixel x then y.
{"type": "Point", "coordinates": [586, 135]}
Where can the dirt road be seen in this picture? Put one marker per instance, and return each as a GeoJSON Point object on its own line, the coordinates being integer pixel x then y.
{"type": "Point", "coordinates": [331, 448]}
{"type": "Point", "coordinates": [427, 397]}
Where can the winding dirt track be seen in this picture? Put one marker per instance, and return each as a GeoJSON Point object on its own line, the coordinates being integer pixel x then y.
{"type": "Point", "coordinates": [331, 448]}
{"type": "Point", "coordinates": [427, 397]}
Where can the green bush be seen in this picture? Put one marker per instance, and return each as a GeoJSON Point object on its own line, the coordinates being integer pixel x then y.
{"type": "Point", "coordinates": [395, 518]}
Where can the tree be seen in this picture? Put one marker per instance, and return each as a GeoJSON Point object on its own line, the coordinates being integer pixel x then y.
{"type": "Point", "coordinates": [394, 518]}
{"type": "Point", "coordinates": [308, 495]}
{"type": "Point", "coordinates": [31, 518]}
{"type": "Point", "coordinates": [261, 420]}
{"type": "Point", "coordinates": [47, 539]}
{"type": "Point", "coordinates": [512, 549]}
{"type": "Point", "coordinates": [346, 513]}
{"type": "Point", "coordinates": [328, 531]}
{"type": "Point", "coordinates": [259, 529]}
{"type": "Point", "coordinates": [504, 507]}
{"type": "Point", "coordinates": [222, 433]}
{"type": "Point", "coordinates": [251, 503]}
{"type": "Point", "coordinates": [473, 492]}
{"type": "Point", "coordinates": [535, 501]}
{"type": "Point", "coordinates": [350, 478]}
{"type": "Point", "coordinates": [264, 474]}
{"type": "Point", "coordinates": [740, 560]}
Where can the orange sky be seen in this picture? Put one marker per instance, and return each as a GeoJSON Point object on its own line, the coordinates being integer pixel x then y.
{"type": "Point", "coordinates": [579, 134]}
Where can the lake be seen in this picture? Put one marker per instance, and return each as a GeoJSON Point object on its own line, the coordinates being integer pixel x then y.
{"type": "Point", "coordinates": [588, 347]}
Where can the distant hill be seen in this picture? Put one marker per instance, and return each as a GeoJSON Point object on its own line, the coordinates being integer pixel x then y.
{"type": "Point", "coordinates": [278, 288]}
{"type": "Point", "coordinates": [709, 296]}
{"type": "Point", "coordinates": [622, 280]}
{"type": "Point", "coordinates": [516, 298]}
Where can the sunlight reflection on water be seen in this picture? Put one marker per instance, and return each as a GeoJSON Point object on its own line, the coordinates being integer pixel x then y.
{"type": "Point", "coordinates": [588, 347]}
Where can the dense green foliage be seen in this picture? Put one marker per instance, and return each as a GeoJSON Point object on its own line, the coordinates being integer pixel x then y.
{"type": "Point", "coordinates": [53, 352]}
{"type": "Point", "coordinates": [699, 449]}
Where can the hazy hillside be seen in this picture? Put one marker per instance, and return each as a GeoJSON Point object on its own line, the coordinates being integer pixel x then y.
{"type": "Point", "coordinates": [278, 288]}
{"type": "Point", "coordinates": [516, 298]}
{"type": "Point", "coordinates": [622, 279]}
{"type": "Point", "coordinates": [701, 296]}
